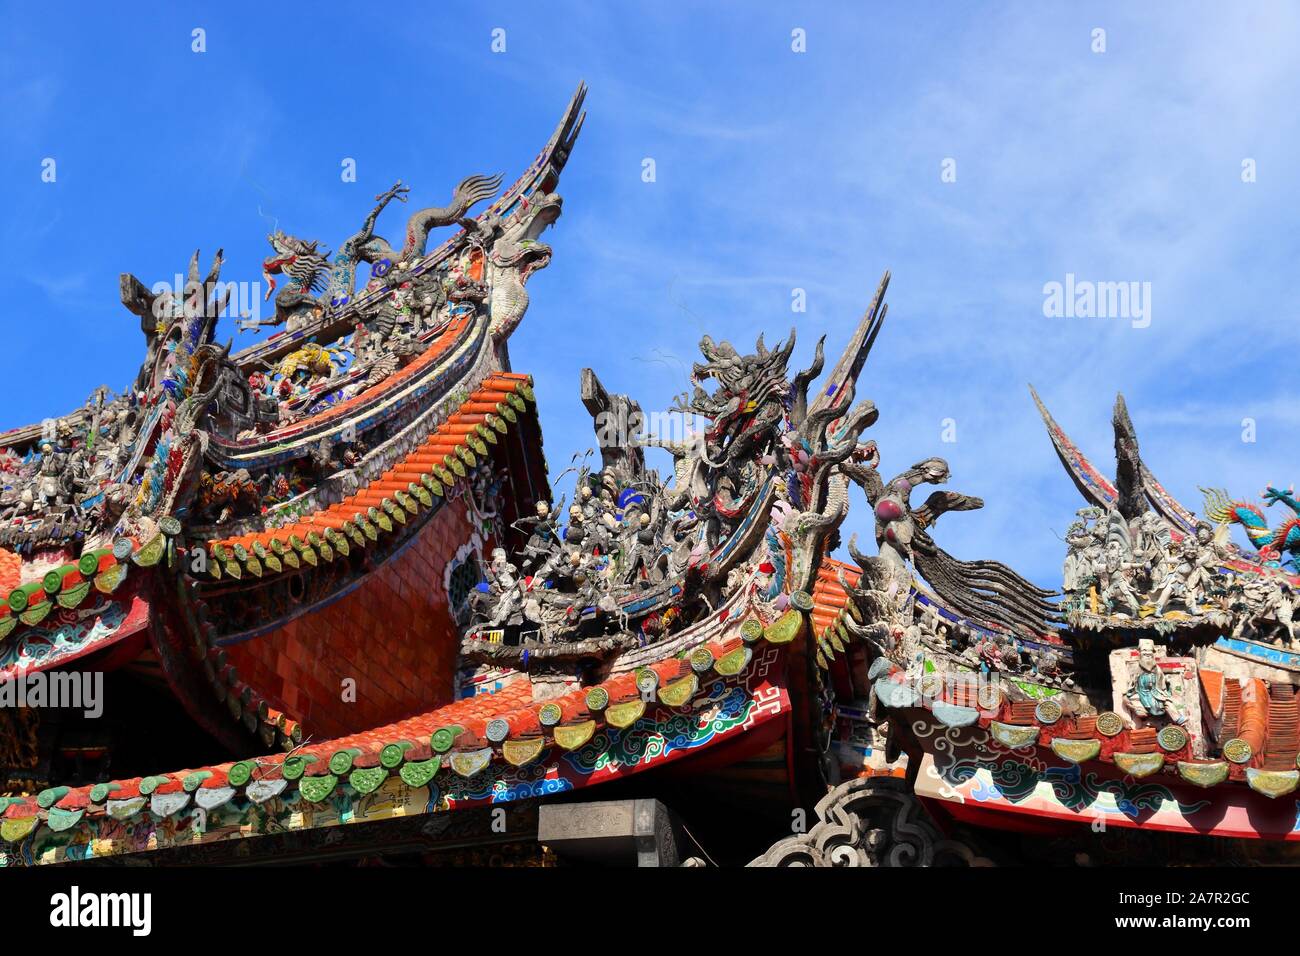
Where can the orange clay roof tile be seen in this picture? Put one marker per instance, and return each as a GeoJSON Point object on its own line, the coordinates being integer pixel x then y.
{"type": "Point", "coordinates": [436, 448]}
{"type": "Point", "coordinates": [513, 702]}
{"type": "Point", "coordinates": [828, 596]}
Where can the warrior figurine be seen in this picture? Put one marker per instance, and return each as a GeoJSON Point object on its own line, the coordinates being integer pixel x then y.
{"type": "Point", "coordinates": [1190, 573]}
{"type": "Point", "coordinates": [503, 591]}
{"type": "Point", "coordinates": [1281, 604]}
{"type": "Point", "coordinates": [1074, 577]}
{"type": "Point", "coordinates": [51, 482]}
{"type": "Point", "coordinates": [645, 566]}
{"type": "Point", "coordinates": [576, 534]}
{"type": "Point", "coordinates": [1115, 586]}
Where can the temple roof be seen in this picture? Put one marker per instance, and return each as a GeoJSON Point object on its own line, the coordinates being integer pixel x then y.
{"type": "Point", "coordinates": [476, 739]}
{"type": "Point", "coordinates": [830, 605]}
{"type": "Point", "coordinates": [443, 449]}
{"type": "Point", "coordinates": [503, 728]}
{"type": "Point", "coordinates": [404, 487]}
{"type": "Point", "coordinates": [1097, 490]}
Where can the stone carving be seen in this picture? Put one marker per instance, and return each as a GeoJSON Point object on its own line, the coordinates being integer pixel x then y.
{"type": "Point", "coordinates": [121, 462]}
{"type": "Point", "coordinates": [871, 822]}
{"type": "Point", "coordinates": [1139, 558]}
{"type": "Point", "coordinates": [361, 246]}
{"type": "Point", "coordinates": [1187, 571]}
{"type": "Point", "coordinates": [405, 308]}
{"type": "Point", "coordinates": [1120, 566]}
{"type": "Point", "coordinates": [514, 253]}
{"type": "Point", "coordinates": [306, 268]}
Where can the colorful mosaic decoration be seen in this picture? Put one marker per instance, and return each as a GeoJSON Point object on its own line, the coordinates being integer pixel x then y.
{"type": "Point", "coordinates": [337, 556]}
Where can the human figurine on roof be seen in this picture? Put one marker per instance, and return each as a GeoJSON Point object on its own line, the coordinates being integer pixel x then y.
{"type": "Point", "coordinates": [544, 537]}
{"type": "Point", "coordinates": [416, 308]}
{"type": "Point", "coordinates": [1281, 606]}
{"type": "Point", "coordinates": [576, 534]}
{"type": "Point", "coordinates": [1092, 566]}
{"type": "Point", "coordinates": [608, 493]}
{"type": "Point", "coordinates": [52, 486]}
{"type": "Point", "coordinates": [644, 565]}
{"type": "Point", "coordinates": [1150, 541]}
{"type": "Point", "coordinates": [948, 639]}
{"type": "Point", "coordinates": [607, 598]}
{"type": "Point", "coordinates": [380, 321]}
{"type": "Point", "coordinates": [566, 569]}
{"type": "Point", "coordinates": [1116, 590]}
{"type": "Point", "coordinates": [504, 591]}
{"type": "Point", "coordinates": [1148, 695]}
{"type": "Point", "coordinates": [1078, 537]}
{"type": "Point", "coordinates": [591, 509]}
{"type": "Point", "coordinates": [1189, 577]}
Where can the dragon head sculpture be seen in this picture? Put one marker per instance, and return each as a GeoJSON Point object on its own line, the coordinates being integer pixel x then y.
{"type": "Point", "coordinates": [514, 253]}
{"type": "Point", "coordinates": [518, 245]}
{"type": "Point", "coordinates": [304, 262]}
{"type": "Point", "coordinates": [751, 397]}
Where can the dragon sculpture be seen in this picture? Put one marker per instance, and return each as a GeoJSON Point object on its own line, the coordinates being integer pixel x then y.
{"type": "Point", "coordinates": [1272, 543]}
{"type": "Point", "coordinates": [469, 192]}
{"type": "Point", "coordinates": [514, 254]}
{"type": "Point", "coordinates": [361, 246]}
{"type": "Point", "coordinates": [758, 493]}
{"type": "Point", "coordinates": [310, 272]}
{"type": "Point", "coordinates": [307, 268]}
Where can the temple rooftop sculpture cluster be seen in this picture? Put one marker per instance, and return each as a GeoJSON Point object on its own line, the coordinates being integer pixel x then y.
{"type": "Point", "coordinates": [329, 574]}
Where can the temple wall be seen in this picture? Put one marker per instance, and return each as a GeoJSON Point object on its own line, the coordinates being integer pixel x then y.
{"type": "Point", "coordinates": [393, 634]}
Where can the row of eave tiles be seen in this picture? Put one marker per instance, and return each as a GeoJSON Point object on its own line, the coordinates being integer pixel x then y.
{"type": "Point", "coordinates": [463, 738]}
{"type": "Point", "coordinates": [426, 473]}
{"type": "Point", "coordinates": [380, 507]}
{"type": "Point", "coordinates": [457, 732]}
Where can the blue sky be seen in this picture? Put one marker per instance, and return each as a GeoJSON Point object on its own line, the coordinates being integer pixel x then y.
{"type": "Point", "coordinates": [775, 170]}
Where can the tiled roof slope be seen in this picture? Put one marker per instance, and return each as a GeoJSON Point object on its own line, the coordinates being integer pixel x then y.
{"type": "Point", "coordinates": [434, 354]}
{"type": "Point", "coordinates": [427, 471]}
{"type": "Point", "coordinates": [830, 605]}
{"type": "Point", "coordinates": [505, 727]}
{"type": "Point", "coordinates": [464, 737]}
